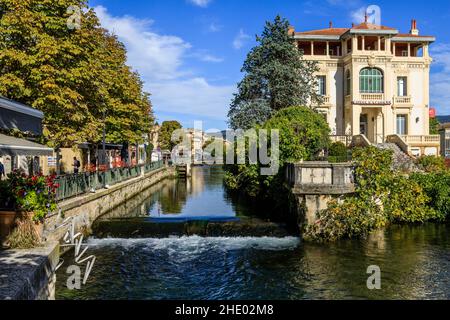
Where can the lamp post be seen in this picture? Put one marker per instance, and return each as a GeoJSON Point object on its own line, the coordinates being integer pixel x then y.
{"type": "Point", "coordinates": [104, 137]}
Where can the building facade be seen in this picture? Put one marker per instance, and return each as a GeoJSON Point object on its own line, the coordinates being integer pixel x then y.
{"type": "Point", "coordinates": [374, 82]}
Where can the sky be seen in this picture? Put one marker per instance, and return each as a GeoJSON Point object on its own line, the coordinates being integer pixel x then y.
{"type": "Point", "coordinates": [190, 52]}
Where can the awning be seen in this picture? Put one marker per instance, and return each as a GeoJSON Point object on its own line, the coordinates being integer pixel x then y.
{"type": "Point", "coordinates": [20, 147]}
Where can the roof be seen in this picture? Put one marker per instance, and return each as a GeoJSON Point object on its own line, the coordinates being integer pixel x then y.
{"type": "Point", "coordinates": [370, 26]}
{"type": "Point", "coordinates": [328, 32]}
{"type": "Point", "coordinates": [20, 147]}
{"type": "Point", "coordinates": [19, 107]}
{"type": "Point", "coordinates": [362, 28]}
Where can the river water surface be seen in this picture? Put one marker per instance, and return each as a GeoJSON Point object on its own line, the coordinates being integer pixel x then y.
{"type": "Point", "coordinates": [414, 260]}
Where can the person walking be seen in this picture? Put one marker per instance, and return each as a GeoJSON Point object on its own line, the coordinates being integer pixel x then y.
{"type": "Point", "coordinates": [76, 165]}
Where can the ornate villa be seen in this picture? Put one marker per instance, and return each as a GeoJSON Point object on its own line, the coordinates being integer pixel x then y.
{"type": "Point", "coordinates": [374, 82]}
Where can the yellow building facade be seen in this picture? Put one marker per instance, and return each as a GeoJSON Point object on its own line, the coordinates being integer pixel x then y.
{"type": "Point", "coordinates": [374, 82]}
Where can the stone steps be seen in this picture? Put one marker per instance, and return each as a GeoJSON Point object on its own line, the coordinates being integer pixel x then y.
{"type": "Point", "coordinates": [400, 160]}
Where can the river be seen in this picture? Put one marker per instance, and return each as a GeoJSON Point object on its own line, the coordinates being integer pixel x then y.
{"type": "Point", "coordinates": [414, 260]}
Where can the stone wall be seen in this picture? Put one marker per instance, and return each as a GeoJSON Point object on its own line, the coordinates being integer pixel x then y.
{"type": "Point", "coordinates": [29, 274]}
{"type": "Point", "coordinates": [86, 209]}
{"type": "Point", "coordinates": [315, 183]}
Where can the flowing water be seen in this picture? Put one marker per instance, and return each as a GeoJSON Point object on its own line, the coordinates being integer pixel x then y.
{"type": "Point", "coordinates": [414, 260]}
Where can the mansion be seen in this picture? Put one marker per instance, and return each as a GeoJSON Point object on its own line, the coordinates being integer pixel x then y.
{"type": "Point", "coordinates": [374, 82]}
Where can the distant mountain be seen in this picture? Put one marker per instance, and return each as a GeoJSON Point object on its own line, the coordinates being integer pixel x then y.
{"type": "Point", "coordinates": [443, 119]}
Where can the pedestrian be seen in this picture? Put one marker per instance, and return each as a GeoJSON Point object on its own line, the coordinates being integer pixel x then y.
{"type": "Point", "coordinates": [2, 171]}
{"type": "Point", "coordinates": [76, 165]}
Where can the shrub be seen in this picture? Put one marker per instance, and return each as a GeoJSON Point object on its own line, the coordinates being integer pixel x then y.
{"type": "Point", "coordinates": [382, 196]}
{"type": "Point", "coordinates": [431, 163]}
{"type": "Point", "coordinates": [437, 188]}
{"type": "Point", "coordinates": [337, 149]}
{"type": "Point", "coordinates": [338, 152]}
{"type": "Point", "coordinates": [303, 133]}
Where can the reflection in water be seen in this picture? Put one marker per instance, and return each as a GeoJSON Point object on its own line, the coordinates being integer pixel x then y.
{"type": "Point", "coordinates": [202, 195]}
{"type": "Point", "coordinates": [414, 260]}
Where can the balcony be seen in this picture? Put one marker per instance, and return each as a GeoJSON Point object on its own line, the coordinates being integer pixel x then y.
{"type": "Point", "coordinates": [402, 100]}
{"type": "Point", "coordinates": [326, 101]}
{"type": "Point", "coordinates": [370, 99]}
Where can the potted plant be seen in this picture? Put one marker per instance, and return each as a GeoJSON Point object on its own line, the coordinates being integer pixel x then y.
{"type": "Point", "coordinates": [34, 197]}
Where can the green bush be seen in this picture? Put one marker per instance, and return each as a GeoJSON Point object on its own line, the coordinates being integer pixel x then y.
{"type": "Point", "coordinates": [337, 149]}
{"type": "Point", "coordinates": [382, 196]}
{"type": "Point", "coordinates": [431, 163]}
{"type": "Point", "coordinates": [303, 134]}
{"type": "Point", "coordinates": [437, 188]}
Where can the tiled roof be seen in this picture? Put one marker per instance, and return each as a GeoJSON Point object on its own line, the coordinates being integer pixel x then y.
{"type": "Point", "coordinates": [370, 26]}
{"type": "Point", "coordinates": [408, 35]}
{"type": "Point", "coordinates": [325, 32]}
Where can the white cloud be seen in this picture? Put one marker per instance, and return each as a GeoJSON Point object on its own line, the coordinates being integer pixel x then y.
{"type": "Point", "coordinates": [194, 96]}
{"type": "Point", "coordinates": [240, 39]}
{"type": "Point", "coordinates": [148, 52]}
{"type": "Point", "coordinates": [210, 58]}
{"type": "Point", "coordinates": [160, 61]}
{"type": "Point", "coordinates": [358, 15]}
{"type": "Point", "coordinates": [200, 3]}
{"type": "Point", "coordinates": [439, 80]}
{"type": "Point", "coordinates": [214, 27]}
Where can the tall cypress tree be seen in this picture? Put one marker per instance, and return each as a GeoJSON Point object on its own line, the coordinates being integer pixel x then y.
{"type": "Point", "coordinates": [275, 76]}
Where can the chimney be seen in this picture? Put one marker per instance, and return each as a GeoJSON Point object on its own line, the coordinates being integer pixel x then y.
{"type": "Point", "coordinates": [331, 24]}
{"type": "Point", "coordinates": [414, 31]}
{"type": "Point", "coordinates": [353, 24]}
{"type": "Point", "coordinates": [291, 31]}
{"type": "Point", "coordinates": [366, 17]}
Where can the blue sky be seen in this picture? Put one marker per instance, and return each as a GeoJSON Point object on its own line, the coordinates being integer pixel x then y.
{"type": "Point", "coordinates": [190, 52]}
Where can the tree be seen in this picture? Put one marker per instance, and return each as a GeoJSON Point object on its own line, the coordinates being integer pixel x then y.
{"type": "Point", "coordinates": [434, 126]}
{"type": "Point", "coordinates": [76, 76]}
{"type": "Point", "coordinates": [248, 114]}
{"type": "Point", "coordinates": [303, 133]}
{"type": "Point", "coordinates": [165, 134]}
{"type": "Point", "coordinates": [275, 75]}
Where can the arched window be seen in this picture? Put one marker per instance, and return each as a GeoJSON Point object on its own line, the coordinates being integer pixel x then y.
{"type": "Point", "coordinates": [348, 83]}
{"type": "Point", "coordinates": [371, 81]}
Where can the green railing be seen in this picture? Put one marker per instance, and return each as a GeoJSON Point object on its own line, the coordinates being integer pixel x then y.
{"type": "Point", "coordinates": [77, 184]}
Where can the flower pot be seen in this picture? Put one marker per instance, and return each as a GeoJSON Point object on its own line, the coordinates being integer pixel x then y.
{"type": "Point", "coordinates": [7, 222]}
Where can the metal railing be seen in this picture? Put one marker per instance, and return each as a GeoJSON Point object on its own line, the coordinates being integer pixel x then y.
{"type": "Point", "coordinates": [77, 184]}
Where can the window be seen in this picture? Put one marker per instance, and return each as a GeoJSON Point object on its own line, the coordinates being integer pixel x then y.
{"type": "Point", "coordinates": [371, 81]}
{"type": "Point", "coordinates": [348, 83]}
{"type": "Point", "coordinates": [402, 88]}
{"type": "Point", "coordinates": [402, 124]}
{"type": "Point", "coordinates": [404, 53]}
{"type": "Point", "coordinates": [321, 88]}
